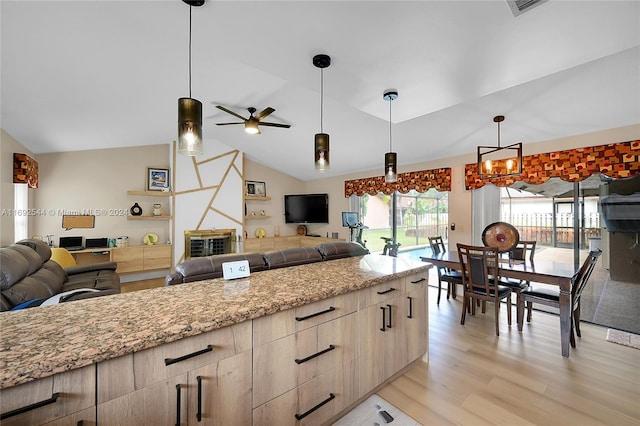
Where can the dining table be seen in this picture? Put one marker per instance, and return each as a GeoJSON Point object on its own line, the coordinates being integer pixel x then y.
{"type": "Point", "coordinates": [546, 272]}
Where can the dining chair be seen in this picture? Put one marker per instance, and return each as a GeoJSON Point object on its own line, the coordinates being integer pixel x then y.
{"type": "Point", "coordinates": [550, 296]}
{"type": "Point", "coordinates": [448, 275]}
{"type": "Point", "coordinates": [522, 252]}
{"type": "Point", "coordinates": [481, 280]}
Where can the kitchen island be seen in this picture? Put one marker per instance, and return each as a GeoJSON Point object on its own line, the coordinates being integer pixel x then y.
{"type": "Point", "coordinates": [232, 335]}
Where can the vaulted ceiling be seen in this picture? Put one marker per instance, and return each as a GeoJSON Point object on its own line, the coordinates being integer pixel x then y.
{"type": "Point", "coordinates": [82, 75]}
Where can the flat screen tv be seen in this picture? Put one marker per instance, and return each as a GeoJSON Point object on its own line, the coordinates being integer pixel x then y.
{"type": "Point", "coordinates": [306, 208]}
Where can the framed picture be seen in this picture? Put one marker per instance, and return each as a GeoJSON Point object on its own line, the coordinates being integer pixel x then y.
{"type": "Point", "coordinates": [158, 179]}
{"type": "Point", "coordinates": [255, 189]}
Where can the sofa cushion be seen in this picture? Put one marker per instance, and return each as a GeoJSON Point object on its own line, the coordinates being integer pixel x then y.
{"type": "Point", "coordinates": [292, 257]}
{"type": "Point", "coordinates": [38, 246]}
{"type": "Point", "coordinates": [340, 249]}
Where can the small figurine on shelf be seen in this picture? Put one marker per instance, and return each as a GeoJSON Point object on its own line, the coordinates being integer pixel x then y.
{"type": "Point", "coordinates": [157, 210]}
{"type": "Point", "coordinates": [136, 210]}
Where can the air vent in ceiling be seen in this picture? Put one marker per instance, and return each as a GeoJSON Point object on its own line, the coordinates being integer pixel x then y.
{"type": "Point", "coordinates": [518, 7]}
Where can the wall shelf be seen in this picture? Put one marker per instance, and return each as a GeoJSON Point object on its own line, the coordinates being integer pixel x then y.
{"type": "Point", "coordinates": [250, 198]}
{"type": "Point", "coordinates": [148, 217]}
{"type": "Point", "coordinates": [256, 217]}
{"type": "Point", "coordinates": [149, 193]}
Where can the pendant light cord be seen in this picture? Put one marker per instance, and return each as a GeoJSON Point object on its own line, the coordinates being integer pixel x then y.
{"type": "Point", "coordinates": [321, 97]}
{"type": "Point", "coordinates": [498, 134]}
{"type": "Point", "coordinates": [190, 7]}
{"type": "Point", "coordinates": [390, 149]}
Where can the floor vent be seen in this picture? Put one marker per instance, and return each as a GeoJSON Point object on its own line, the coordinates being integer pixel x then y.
{"type": "Point", "coordinates": [518, 7]}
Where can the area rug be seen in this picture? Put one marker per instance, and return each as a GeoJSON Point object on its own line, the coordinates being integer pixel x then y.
{"type": "Point", "coordinates": [623, 338]}
{"type": "Point", "coordinates": [376, 411]}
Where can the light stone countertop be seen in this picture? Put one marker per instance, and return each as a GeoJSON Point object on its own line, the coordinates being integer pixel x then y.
{"type": "Point", "coordinates": [42, 341]}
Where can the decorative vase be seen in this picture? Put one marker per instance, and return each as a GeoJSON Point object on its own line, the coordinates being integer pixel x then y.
{"type": "Point", "coordinates": [157, 210]}
{"type": "Point", "coordinates": [136, 210]}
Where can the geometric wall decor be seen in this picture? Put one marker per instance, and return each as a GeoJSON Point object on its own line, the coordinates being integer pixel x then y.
{"type": "Point", "coordinates": [25, 170]}
{"type": "Point", "coordinates": [618, 160]}
{"type": "Point", "coordinates": [420, 181]}
{"type": "Point", "coordinates": [206, 193]}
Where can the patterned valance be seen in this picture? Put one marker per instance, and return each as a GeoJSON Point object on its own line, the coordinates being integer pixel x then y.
{"type": "Point", "coordinates": [25, 170]}
{"type": "Point", "coordinates": [618, 160]}
{"type": "Point", "coordinates": [421, 181]}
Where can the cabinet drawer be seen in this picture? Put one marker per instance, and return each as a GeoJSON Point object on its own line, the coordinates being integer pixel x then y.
{"type": "Point", "coordinates": [281, 324]}
{"type": "Point", "coordinates": [301, 357]}
{"type": "Point", "coordinates": [417, 280]}
{"type": "Point", "coordinates": [129, 259]}
{"type": "Point", "coordinates": [381, 292]}
{"type": "Point", "coordinates": [171, 359]}
{"type": "Point", "coordinates": [157, 257]}
{"type": "Point", "coordinates": [312, 403]}
{"type": "Point", "coordinates": [68, 393]}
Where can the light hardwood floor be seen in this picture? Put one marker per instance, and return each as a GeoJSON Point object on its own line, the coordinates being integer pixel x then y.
{"type": "Point", "coordinates": [476, 378]}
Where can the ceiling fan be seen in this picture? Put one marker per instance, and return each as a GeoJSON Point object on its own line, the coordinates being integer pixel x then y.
{"type": "Point", "coordinates": [251, 124]}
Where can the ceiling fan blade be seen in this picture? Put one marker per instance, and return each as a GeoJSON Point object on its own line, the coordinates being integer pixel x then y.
{"type": "Point", "coordinates": [226, 124]}
{"type": "Point", "coordinates": [286, 126]}
{"type": "Point", "coordinates": [262, 114]}
{"type": "Point", "coordinates": [228, 111]}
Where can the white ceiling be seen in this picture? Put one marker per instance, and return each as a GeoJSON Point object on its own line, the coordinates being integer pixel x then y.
{"type": "Point", "coordinates": [98, 74]}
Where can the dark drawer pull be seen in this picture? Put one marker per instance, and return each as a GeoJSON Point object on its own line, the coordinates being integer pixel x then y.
{"type": "Point", "coordinates": [178, 398]}
{"type": "Point", "coordinates": [410, 307]}
{"type": "Point", "coordinates": [331, 309]}
{"type": "Point", "coordinates": [303, 415]}
{"type": "Point", "coordinates": [169, 361]}
{"type": "Point", "coordinates": [199, 412]}
{"type": "Point", "coordinates": [386, 291]}
{"type": "Point", "coordinates": [310, 357]}
{"type": "Point", "coordinates": [419, 280]}
{"type": "Point", "coordinates": [33, 406]}
{"type": "Point", "coordinates": [384, 320]}
{"type": "Point", "coordinates": [390, 315]}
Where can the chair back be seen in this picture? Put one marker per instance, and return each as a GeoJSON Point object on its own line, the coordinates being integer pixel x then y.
{"type": "Point", "coordinates": [523, 250]}
{"type": "Point", "coordinates": [437, 245]}
{"type": "Point", "coordinates": [480, 267]}
{"type": "Point", "coordinates": [580, 279]}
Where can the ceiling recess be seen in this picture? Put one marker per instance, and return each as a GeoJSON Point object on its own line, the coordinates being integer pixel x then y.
{"type": "Point", "coordinates": [518, 7]}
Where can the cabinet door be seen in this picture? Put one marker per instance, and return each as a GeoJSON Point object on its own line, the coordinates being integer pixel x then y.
{"type": "Point", "coordinates": [164, 403]}
{"type": "Point", "coordinates": [129, 259]}
{"type": "Point", "coordinates": [50, 398]}
{"type": "Point", "coordinates": [220, 393]}
{"type": "Point", "coordinates": [157, 257]}
{"type": "Point", "coordinates": [416, 323]}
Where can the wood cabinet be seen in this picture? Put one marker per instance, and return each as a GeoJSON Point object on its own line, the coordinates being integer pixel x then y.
{"type": "Point", "coordinates": [190, 381]}
{"type": "Point", "coordinates": [59, 398]}
{"type": "Point", "coordinates": [388, 339]}
{"type": "Point", "coordinates": [142, 258]}
{"type": "Point", "coordinates": [304, 363]}
{"type": "Point", "coordinates": [256, 245]}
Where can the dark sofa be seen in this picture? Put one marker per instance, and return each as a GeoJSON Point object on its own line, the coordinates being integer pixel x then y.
{"type": "Point", "coordinates": [28, 277]}
{"type": "Point", "coordinates": [209, 267]}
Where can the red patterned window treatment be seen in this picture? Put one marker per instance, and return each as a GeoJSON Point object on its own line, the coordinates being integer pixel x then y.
{"type": "Point", "coordinates": [421, 181]}
{"type": "Point", "coordinates": [25, 170]}
{"type": "Point", "coordinates": [618, 160]}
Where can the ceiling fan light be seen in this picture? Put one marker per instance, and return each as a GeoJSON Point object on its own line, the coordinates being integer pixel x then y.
{"type": "Point", "coordinates": [189, 127]}
{"type": "Point", "coordinates": [251, 127]}
{"type": "Point", "coordinates": [322, 152]}
{"type": "Point", "coordinates": [391, 167]}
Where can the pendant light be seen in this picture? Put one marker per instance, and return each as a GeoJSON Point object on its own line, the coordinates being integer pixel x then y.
{"type": "Point", "coordinates": [496, 161]}
{"type": "Point", "coordinates": [190, 110]}
{"type": "Point", "coordinates": [390, 158]}
{"type": "Point", "coordinates": [321, 145]}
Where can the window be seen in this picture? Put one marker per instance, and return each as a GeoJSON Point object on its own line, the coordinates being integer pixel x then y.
{"type": "Point", "coordinates": [20, 204]}
{"type": "Point", "coordinates": [418, 216]}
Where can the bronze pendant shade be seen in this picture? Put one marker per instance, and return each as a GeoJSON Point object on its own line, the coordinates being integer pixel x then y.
{"type": "Point", "coordinates": [189, 126]}
{"type": "Point", "coordinates": [390, 158]}
{"type": "Point", "coordinates": [497, 161]}
{"type": "Point", "coordinates": [190, 110]}
{"type": "Point", "coordinates": [321, 141]}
